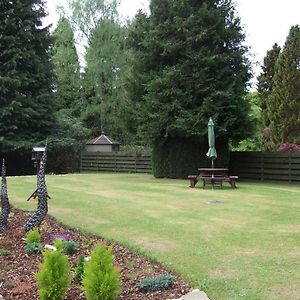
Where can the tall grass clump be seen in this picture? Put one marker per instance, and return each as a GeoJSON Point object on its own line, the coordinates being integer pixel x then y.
{"type": "Point", "coordinates": [53, 277]}
{"type": "Point", "coordinates": [101, 280]}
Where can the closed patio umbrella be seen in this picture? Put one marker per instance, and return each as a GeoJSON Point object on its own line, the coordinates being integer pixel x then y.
{"type": "Point", "coordinates": [211, 153]}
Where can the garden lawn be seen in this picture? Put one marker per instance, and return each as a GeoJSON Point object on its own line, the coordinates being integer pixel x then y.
{"type": "Point", "coordinates": [245, 246]}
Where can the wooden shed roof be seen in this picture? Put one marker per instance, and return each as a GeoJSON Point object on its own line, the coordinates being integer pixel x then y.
{"type": "Point", "coordinates": [102, 140]}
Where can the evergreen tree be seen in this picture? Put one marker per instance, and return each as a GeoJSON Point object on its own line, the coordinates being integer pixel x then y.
{"type": "Point", "coordinates": [26, 77]}
{"type": "Point", "coordinates": [190, 65]}
{"type": "Point", "coordinates": [266, 81]}
{"type": "Point", "coordinates": [66, 66]}
{"type": "Point", "coordinates": [284, 102]}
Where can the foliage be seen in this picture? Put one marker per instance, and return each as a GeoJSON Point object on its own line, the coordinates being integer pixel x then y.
{"type": "Point", "coordinates": [266, 81]}
{"type": "Point", "coordinates": [33, 236]}
{"type": "Point", "coordinates": [79, 268]}
{"type": "Point", "coordinates": [4, 252]}
{"type": "Point", "coordinates": [180, 157]}
{"type": "Point", "coordinates": [189, 65]}
{"type": "Point", "coordinates": [101, 280]}
{"type": "Point", "coordinates": [26, 77]}
{"type": "Point", "coordinates": [69, 246]}
{"type": "Point", "coordinates": [288, 147]}
{"type": "Point", "coordinates": [58, 243]}
{"type": "Point", "coordinates": [168, 88]}
{"type": "Point", "coordinates": [53, 278]}
{"type": "Point", "coordinates": [66, 66]}
{"type": "Point", "coordinates": [33, 248]}
{"type": "Point", "coordinates": [106, 61]}
{"type": "Point", "coordinates": [284, 101]}
{"type": "Point", "coordinates": [253, 143]}
{"type": "Point", "coordinates": [159, 283]}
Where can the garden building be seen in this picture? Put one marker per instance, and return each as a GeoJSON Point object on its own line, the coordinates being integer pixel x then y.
{"type": "Point", "coordinates": [102, 143]}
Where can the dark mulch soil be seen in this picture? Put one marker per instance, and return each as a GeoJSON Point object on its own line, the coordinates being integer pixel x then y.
{"type": "Point", "coordinates": [17, 269]}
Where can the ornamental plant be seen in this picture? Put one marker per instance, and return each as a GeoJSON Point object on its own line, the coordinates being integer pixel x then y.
{"type": "Point", "coordinates": [33, 236]}
{"type": "Point", "coordinates": [159, 283]}
{"type": "Point", "coordinates": [33, 248]}
{"type": "Point", "coordinates": [101, 280]}
{"type": "Point", "coordinates": [289, 147]}
{"type": "Point", "coordinates": [53, 277]}
{"type": "Point", "coordinates": [79, 268]}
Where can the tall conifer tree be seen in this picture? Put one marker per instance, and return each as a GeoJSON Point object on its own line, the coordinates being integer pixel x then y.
{"type": "Point", "coordinates": [26, 77]}
{"type": "Point", "coordinates": [190, 65]}
{"type": "Point", "coordinates": [266, 81]}
{"type": "Point", "coordinates": [284, 102]}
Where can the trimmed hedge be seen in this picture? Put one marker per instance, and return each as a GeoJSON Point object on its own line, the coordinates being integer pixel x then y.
{"type": "Point", "coordinates": [177, 157]}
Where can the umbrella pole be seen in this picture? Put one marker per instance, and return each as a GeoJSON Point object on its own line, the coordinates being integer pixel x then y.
{"type": "Point", "coordinates": [212, 174]}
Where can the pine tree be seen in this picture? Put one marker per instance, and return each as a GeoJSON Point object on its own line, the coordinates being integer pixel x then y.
{"type": "Point", "coordinates": [66, 66]}
{"type": "Point", "coordinates": [284, 103]}
{"type": "Point", "coordinates": [26, 102]}
{"type": "Point", "coordinates": [266, 81]}
{"type": "Point", "coordinates": [190, 65]}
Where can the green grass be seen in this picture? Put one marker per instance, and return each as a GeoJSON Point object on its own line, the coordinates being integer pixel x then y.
{"type": "Point", "coordinates": [245, 248]}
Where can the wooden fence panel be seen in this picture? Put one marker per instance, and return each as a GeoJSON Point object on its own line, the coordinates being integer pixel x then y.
{"type": "Point", "coordinates": [283, 166]}
{"type": "Point", "coordinates": [115, 162]}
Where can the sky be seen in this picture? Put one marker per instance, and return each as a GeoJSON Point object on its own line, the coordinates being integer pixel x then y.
{"type": "Point", "coordinates": [265, 22]}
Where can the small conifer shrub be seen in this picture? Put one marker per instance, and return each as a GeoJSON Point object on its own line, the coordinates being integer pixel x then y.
{"type": "Point", "coordinates": [33, 236]}
{"type": "Point", "coordinates": [33, 248]}
{"type": "Point", "coordinates": [79, 268]}
{"type": "Point", "coordinates": [159, 283]}
{"type": "Point", "coordinates": [69, 246]}
{"type": "Point", "coordinates": [53, 277]}
{"type": "Point", "coordinates": [101, 280]}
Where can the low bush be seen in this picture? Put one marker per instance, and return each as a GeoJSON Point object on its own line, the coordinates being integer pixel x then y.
{"type": "Point", "coordinates": [159, 283]}
{"type": "Point", "coordinates": [69, 246]}
{"type": "Point", "coordinates": [33, 236]}
{"type": "Point", "coordinates": [101, 280]}
{"type": "Point", "coordinates": [33, 248]}
{"type": "Point", "coordinates": [53, 277]}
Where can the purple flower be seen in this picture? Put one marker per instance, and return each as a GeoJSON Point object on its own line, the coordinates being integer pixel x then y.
{"type": "Point", "coordinates": [62, 236]}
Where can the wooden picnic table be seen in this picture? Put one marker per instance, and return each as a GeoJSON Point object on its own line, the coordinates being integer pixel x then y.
{"type": "Point", "coordinates": [213, 176]}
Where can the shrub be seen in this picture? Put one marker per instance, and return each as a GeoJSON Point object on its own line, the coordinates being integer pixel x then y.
{"type": "Point", "coordinates": [159, 283]}
{"type": "Point", "coordinates": [53, 277]}
{"type": "Point", "coordinates": [178, 157]}
{"type": "Point", "coordinates": [288, 147]}
{"type": "Point", "coordinates": [33, 248]}
{"type": "Point", "coordinates": [101, 280]}
{"type": "Point", "coordinates": [33, 236]}
{"type": "Point", "coordinates": [79, 268]}
{"type": "Point", "coordinates": [69, 246]}
{"type": "Point", "coordinates": [58, 243]}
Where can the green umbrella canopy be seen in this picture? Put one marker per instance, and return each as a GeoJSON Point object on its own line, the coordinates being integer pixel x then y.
{"type": "Point", "coordinates": [211, 153]}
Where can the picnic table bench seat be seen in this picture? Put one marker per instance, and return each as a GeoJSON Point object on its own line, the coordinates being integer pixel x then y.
{"type": "Point", "coordinates": [215, 180]}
